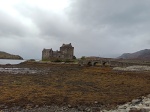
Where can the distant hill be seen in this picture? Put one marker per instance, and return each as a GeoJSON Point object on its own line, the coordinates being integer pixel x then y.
{"type": "Point", "coordinates": [143, 55]}
{"type": "Point", "coordinates": [4, 55]}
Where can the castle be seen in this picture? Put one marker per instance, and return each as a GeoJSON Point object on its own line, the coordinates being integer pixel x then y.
{"type": "Point", "coordinates": [66, 52]}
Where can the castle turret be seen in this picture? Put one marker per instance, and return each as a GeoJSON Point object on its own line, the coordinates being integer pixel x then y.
{"type": "Point", "coordinates": [67, 51]}
{"type": "Point", "coordinates": [47, 54]}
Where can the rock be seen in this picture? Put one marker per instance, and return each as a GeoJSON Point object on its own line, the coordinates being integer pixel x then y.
{"type": "Point", "coordinates": [64, 108]}
{"type": "Point", "coordinates": [136, 101]}
{"type": "Point", "coordinates": [96, 102]}
{"type": "Point", "coordinates": [136, 105]}
{"type": "Point", "coordinates": [88, 110]}
{"type": "Point", "coordinates": [69, 106]}
{"type": "Point", "coordinates": [133, 68]}
{"type": "Point", "coordinates": [147, 103]}
{"type": "Point", "coordinates": [148, 96]}
{"type": "Point", "coordinates": [134, 110]}
{"type": "Point", "coordinates": [123, 106]}
{"type": "Point", "coordinates": [145, 109]}
{"type": "Point", "coordinates": [36, 106]}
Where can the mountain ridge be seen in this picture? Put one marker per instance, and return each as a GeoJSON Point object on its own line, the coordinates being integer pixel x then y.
{"type": "Point", "coordinates": [5, 55]}
{"type": "Point", "coordinates": [142, 54]}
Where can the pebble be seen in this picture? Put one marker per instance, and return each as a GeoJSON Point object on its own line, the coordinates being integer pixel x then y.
{"type": "Point", "coordinates": [136, 101]}
{"type": "Point", "coordinates": [69, 106]}
{"type": "Point", "coordinates": [96, 102]}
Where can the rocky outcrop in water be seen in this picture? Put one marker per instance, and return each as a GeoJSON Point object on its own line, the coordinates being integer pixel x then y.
{"type": "Point", "coordinates": [4, 55]}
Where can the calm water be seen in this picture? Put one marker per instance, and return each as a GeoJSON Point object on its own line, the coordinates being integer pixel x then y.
{"type": "Point", "coordinates": [9, 61]}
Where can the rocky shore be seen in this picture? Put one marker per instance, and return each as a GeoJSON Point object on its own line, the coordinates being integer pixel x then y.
{"type": "Point", "coordinates": [133, 68]}
{"type": "Point", "coordinates": [53, 108]}
{"type": "Point", "coordinates": [46, 87]}
{"type": "Point", "coordinates": [136, 105]}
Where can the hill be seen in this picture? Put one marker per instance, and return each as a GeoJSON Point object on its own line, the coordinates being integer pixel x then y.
{"type": "Point", "coordinates": [142, 54]}
{"type": "Point", "coordinates": [4, 55]}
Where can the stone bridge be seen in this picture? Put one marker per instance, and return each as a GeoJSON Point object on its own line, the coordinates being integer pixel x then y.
{"type": "Point", "coordinates": [110, 62]}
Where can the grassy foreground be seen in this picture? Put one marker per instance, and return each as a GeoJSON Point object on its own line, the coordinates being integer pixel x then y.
{"type": "Point", "coordinates": [71, 84]}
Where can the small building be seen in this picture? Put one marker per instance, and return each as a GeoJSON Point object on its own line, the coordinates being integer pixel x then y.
{"type": "Point", "coordinates": [66, 52]}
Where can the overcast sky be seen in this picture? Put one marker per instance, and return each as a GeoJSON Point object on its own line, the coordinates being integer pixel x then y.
{"type": "Point", "coordinates": [105, 28]}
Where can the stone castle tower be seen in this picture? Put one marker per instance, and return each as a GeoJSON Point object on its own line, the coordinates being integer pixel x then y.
{"type": "Point", "coordinates": [66, 52]}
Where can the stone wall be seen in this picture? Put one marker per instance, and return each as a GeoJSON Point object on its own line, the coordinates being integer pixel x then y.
{"type": "Point", "coordinates": [66, 52]}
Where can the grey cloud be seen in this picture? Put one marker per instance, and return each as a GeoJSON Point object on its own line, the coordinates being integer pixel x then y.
{"type": "Point", "coordinates": [11, 27]}
{"type": "Point", "coordinates": [52, 25]}
{"type": "Point", "coordinates": [95, 28]}
{"type": "Point", "coordinates": [48, 23]}
{"type": "Point", "coordinates": [120, 24]}
{"type": "Point", "coordinates": [117, 16]}
{"type": "Point", "coordinates": [112, 12]}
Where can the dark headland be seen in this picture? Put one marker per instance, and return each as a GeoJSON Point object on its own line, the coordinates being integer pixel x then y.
{"type": "Point", "coordinates": [4, 55]}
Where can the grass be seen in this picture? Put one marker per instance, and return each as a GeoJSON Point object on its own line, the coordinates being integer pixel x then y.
{"type": "Point", "coordinates": [71, 84]}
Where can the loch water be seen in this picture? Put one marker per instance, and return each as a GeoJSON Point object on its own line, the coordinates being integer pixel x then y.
{"type": "Point", "coordinates": [10, 61]}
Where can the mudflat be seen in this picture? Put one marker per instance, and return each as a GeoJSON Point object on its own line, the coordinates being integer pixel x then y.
{"type": "Point", "coordinates": [40, 84]}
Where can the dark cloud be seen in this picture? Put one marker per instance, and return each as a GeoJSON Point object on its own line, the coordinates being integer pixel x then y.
{"type": "Point", "coordinates": [49, 24]}
{"type": "Point", "coordinates": [112, 12]}
{"type": "Point", "coordinates": [95, 28]}
{"type": "Point", "coordinates": [123, 22]}
{"type": "Point", "coordinates": [116, 17]}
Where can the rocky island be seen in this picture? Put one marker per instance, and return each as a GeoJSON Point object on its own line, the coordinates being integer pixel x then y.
{"type": "Point", "coordinates": [4, 55]}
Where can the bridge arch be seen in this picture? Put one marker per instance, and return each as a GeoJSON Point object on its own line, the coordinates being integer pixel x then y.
{"type": "Point", "coordinates": [104, 63]}
{"type": "Point", "coordinates": [94, 64]}
{"type": "Point", "coordinates": [97, 63]}
{"type": "Point", "coordinates": [89, 63]}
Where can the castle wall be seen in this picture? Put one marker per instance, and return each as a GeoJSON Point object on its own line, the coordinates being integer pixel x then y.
{"type": "Point", "coordinates": [66, 52]}
{"type": "Point", "coordinates": [45, 54]}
